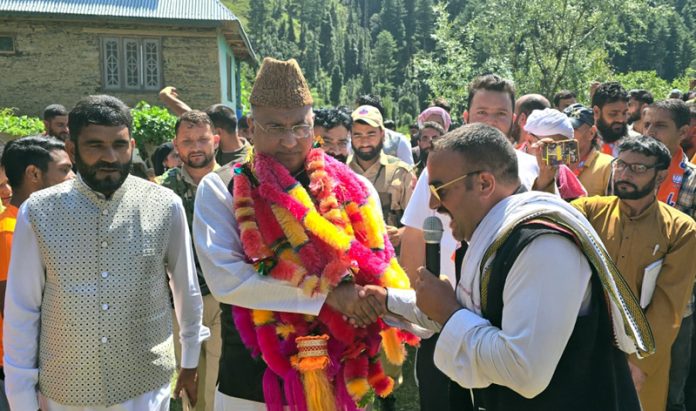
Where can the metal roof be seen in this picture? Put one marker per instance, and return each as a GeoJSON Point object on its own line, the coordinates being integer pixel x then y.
{"type": "Point", "coordinates": [210, 10]}
{"type": "Point", "coordinates": [195, 12]}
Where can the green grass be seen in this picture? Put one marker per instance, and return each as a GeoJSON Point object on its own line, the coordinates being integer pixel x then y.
{"type": "Point", "coordinates": [406, 394]}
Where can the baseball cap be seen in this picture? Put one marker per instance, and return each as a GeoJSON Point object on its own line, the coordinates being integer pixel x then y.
{"type": "Point", "coordinates": [369, 115]}
{"type": "Point", "coordinates": [579, 115]}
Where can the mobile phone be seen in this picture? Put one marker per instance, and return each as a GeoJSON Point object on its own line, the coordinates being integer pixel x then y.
{"type": "Point", "coordinates": [560, 152]}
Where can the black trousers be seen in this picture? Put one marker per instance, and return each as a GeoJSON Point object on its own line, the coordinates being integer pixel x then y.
{"type": "Point", "coordinates": [434, 386]}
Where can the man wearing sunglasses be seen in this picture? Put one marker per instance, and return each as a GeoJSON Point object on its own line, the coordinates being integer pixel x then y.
{"type": "Point", "coordinates": [652, 245]}
{"type": "Point", "coordinates": [528, 326]}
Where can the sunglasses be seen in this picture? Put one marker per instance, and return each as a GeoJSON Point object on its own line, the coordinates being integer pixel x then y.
{"type": "Point", "coordinates": [435, 190]}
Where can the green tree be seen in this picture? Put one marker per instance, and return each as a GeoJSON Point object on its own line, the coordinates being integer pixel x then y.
{"type": "Point", "coordinates": [545, 44]}
{"type": "Point", "coordinates": [384, 63]}
{"type": "Point", "coordinates": [336, 85]}
{"type": "Point", "coordinates": [446, 71]}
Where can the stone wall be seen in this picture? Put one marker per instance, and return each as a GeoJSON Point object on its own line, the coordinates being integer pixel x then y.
{"type": "Point", "coordinates": [60, 62]}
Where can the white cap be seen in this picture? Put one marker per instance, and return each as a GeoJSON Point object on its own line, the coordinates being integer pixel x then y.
{"type": "Point", "coordinates": [549, 122]}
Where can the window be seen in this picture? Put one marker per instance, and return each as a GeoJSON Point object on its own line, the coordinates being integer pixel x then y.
{"type": "Point", "coordinates": [131, 63]}
{"type": "Point", "coordinates": [7, 44]}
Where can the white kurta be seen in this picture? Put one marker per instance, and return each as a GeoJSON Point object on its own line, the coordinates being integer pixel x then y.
{"type": "Point", "coordinates": [230, 279]}
{"type": "Point", "coordinates": [25, 286]}
{"type": "Point", "coordinates": [547, 288]}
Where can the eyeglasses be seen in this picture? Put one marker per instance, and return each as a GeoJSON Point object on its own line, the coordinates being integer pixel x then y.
{"type": "Point", "coordinates": [299, 131]}
{"type": "Point", "coordinates": [635, 168]}
{"type": "Point", "coordinates": [435, 190]}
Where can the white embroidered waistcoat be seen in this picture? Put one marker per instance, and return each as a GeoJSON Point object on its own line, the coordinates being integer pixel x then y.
{"type": "Point", "coordinates": [106, 326]}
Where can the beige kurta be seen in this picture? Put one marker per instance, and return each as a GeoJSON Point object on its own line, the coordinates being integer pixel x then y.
{"type": "Point", "coordinates": [595, 173]}
{"type": "Point", "coordinates": [660, 232]}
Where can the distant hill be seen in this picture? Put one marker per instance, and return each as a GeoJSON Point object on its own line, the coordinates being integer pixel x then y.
{"type": "Point", "coordinates": [240, 8]}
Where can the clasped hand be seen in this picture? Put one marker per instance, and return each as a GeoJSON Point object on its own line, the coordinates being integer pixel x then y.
{"type": "Point", "coordinates": [360, 305]}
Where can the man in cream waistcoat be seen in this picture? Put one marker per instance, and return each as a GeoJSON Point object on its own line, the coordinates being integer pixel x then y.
{"type": "Point", "coordinates": [87, 317]}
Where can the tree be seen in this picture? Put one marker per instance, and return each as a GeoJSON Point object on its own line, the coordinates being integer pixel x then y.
{"type": "Point", "coordinates": [446, 71]}
{"type": "Point", "coordinates": [545, 44]}
{"type": "Point", "coordinates": [384, 63]}
{"type": "Point", "coordinates": [336, 85]}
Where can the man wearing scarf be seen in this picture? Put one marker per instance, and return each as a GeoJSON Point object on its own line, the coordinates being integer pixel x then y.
{"type": "Point", "coordinates": [286, 240]}
{"type": "Point", "coordinates": [541, 319]}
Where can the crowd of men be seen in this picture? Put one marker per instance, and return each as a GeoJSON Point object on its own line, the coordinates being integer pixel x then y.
{"type": "Point", "coordinates": [562, 284]}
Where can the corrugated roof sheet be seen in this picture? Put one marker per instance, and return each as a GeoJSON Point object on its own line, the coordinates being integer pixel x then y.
{"type": "Point", "coordinates": [206, 10]}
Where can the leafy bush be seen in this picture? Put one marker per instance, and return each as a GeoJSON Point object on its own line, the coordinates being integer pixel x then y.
{"type": "Point", "coordinates": [152, 125]}
{"type": "Point", "coordinates": [19, 126]}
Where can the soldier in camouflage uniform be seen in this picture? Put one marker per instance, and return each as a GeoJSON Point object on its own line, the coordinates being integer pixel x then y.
{"type": "Point", "coordinates": [196, 142]}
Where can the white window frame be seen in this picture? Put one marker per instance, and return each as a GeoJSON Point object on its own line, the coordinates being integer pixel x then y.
{"type": "Point", "coordinates": [129, 61]}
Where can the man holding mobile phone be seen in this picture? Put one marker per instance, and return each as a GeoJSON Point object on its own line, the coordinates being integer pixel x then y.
{"type": "Point", "coordinates": [555, 149]}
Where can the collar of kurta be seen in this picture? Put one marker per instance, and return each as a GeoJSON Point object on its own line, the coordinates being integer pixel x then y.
{"type": "Point", "coordinates": [98, 197]}
{"type": "Point", "coordinates": [650, 210]}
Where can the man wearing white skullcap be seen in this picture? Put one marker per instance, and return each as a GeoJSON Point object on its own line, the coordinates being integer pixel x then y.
{"type": "Point", "coordinates": [547, 125]}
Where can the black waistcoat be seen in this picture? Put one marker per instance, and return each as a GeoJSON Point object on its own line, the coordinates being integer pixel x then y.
{"type": "Point", "coordinates": [592, 373]}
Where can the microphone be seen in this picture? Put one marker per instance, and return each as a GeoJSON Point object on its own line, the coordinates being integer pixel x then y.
{"type": "Point", "coordinates": [432, 232]}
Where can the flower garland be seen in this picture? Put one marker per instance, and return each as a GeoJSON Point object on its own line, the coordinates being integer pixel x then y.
{"type": "Point", "coordinates": [314, 247]}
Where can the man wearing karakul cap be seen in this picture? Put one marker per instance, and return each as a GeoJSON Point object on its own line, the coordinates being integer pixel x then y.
{"type": "Point", "coordinates": [284, 239]}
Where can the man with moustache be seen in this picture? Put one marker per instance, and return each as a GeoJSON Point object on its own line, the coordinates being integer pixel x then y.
{"type": "Point", "coordinates": [256, 204]}
{"type": "Point", "coordinates": [55, 119]}
{"type": "Point", "coordinates": [593, 168]}
{"type": "Point", "coordinates": [87, 309]}
{"type": "Point", "coordinates": [391, 177]}
{"type": "Point", "coordinates": [335, 133]}
{"type": "Point", "coordinates": [195, 140]}
{"type": "Point", "coordinates": [491, 101]}
{"type": "Point", "coordinates": [428, 133]}
{"type": "Point", "coordinates": [638, 100]}
{"type": "Point", "coordinates": [659, 267]}
{"type": "Point", "coordinates": [610, 108]}
{"type": "Point", "coordinates": [529, 326]}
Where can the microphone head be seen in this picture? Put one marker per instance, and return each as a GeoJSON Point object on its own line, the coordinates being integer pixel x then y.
{"type": "Point", "coordinates": [432, 230]}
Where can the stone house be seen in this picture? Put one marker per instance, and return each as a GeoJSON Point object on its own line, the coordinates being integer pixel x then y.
{"type": "Point", "coordinates": [57, 51]}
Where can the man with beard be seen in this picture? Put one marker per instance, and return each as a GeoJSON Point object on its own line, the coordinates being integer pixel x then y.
{"type": "Point", "coordinates": [395, 144]}
{"type": "Point", "coordinates": [55, 119]}
{"type": "Point", "coordinates": [195, 141]}
{"type": "Point", "coordinates": [393, 180]}
{"type": "Point", "coordinates": [335, 133]}
{"type": "Point", "coordinates": [87, 308]}
{"type": "Point", "coordinates": [610, 107]}
{"type": "Point", "coordinates": [593, 167]}
{"type": "Point", "coordinates": [638, 100]}
{"type": "Point", "coordinates": [652, 245]}
{"type": "Point", "coordinates": [688, 143]}
{"type": "Point", "coordinates": [391, 177]}
{"type": "Point", "coordinates": [429, 132]}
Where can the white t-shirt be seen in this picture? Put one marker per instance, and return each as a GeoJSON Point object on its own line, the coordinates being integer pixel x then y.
{"type": "Point", "coordinates": [418, 210]}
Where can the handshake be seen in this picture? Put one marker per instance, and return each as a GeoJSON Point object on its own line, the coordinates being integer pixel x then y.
{"type": "Point", "coordinates": [362, 305]}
